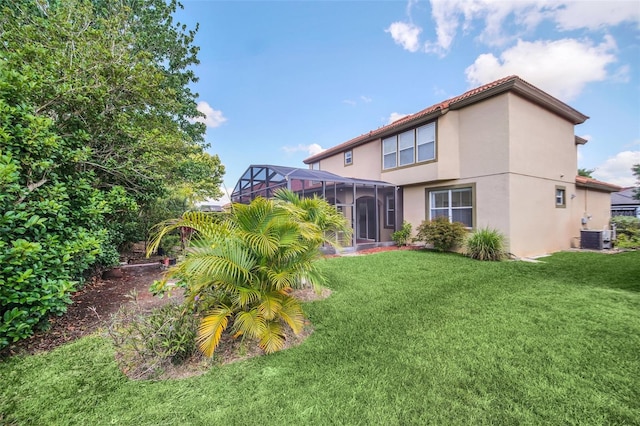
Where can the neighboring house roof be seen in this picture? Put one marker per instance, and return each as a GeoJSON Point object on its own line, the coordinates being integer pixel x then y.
{"type": "Point", "coordinates": [625, 198]}
{"type": "Point", "coordinates": [585, 182]}
{"type": "Point", "coordinates": [508, 84]}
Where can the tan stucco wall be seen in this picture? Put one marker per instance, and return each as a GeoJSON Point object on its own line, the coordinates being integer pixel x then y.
{"type": "Point", "coordinates": [594, 206]}
{"type": "Point", "coordinates": [537, 225]}
{"type": "Point", "coordinates": [484, 137]}
{"type": "Point", "coordinates": [542, 144]}
{"type": "Point", "coordinates": [366, 164]}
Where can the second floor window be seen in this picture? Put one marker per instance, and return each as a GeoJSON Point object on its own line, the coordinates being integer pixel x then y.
{"type": "Point", "coordinates": [348, 157]}
{"type": "Point", "coordinates": [413, 146]}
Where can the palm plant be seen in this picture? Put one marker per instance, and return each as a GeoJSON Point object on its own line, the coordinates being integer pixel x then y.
{"type": "Point", "coordinates": [241, 266]}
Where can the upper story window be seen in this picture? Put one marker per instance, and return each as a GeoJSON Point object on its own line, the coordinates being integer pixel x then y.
{"type": "Point", "coordinates": [348, 157]}
{"type": "Point", "coordinates": [413, 146]}
{"type": "Point", "coordinates": [315, 166]}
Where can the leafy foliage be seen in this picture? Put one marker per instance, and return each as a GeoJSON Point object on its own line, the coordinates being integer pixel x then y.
{"type": "Point", "coordinates": [627, 231]}
{"type": "Point", "coordinates": [441, 233]}
{"type": "Point", "coordinates": [586, 172]}
{"type": "Point", "coordinates": [97, 124]}
{"type": "Point", "coordinates": [241, 266]}
{"type": "Point", "coordinates": [48, 215]}
{"type": "Point", "coordinates": [402, 236]}
{"type": "Point", "coordinates": [485, 244]}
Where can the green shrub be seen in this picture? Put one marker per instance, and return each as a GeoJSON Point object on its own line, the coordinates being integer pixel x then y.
{"type": "Point", "coordinates": [402, 236]}
{"type": "Point", "coordinates": [627, 231]}
{"type": "Point", "coordinates": [441, 233]}
{"type": "Point", "coordinates": [146, 342]}
{"type": "Point", "coordinates": [485, 244]}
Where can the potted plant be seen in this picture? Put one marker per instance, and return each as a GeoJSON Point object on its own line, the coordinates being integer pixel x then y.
{"type": "Point", "coordinates": [170, 248]}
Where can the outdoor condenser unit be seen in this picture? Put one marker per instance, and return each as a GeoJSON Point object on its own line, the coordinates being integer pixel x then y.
{"type": "Point", "coordinates": [596, 239]}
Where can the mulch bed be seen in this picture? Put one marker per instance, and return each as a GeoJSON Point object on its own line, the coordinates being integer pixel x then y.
{"type": "Point", "coordinates": [92, 307]}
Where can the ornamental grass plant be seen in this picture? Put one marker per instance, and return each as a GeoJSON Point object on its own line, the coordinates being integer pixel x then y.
{"type": "Point", "coordinates": [485, 244]}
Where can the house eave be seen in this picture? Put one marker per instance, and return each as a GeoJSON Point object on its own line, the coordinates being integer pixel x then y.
{"type": "Point", "coordinates": [373, 135]}
{"type": "Point", "coordinates": [512, 84]}
{"type": "Point", "coordinates": [529, 92]}
{"type": "Point", "coordinates": [582, 182]}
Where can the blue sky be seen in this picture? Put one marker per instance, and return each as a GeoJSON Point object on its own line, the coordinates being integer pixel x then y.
{"type": "Point", "coordinates": [281, 80]}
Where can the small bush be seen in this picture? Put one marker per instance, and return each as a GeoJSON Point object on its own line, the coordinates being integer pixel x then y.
{"type": "Point", "coordinates": [441, 233]}
{"type": "Point", "coordinates": [147, 342]}
{"type": "Point", "coordinates": [485, 244]}
{"type": "Point", "coordinates": [627, 231]}
{"type": "Point", "coordinates": [402, 236]}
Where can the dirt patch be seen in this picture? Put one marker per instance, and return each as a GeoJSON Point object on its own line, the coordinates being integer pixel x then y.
{"type": "Point", "coordinates": [92, 306]}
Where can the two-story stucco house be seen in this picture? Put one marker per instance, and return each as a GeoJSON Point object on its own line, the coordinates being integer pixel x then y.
{"type": "Point", "coordinates": [503, 155]}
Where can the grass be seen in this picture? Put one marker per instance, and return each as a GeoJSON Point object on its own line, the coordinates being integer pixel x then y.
{"type": "Point", "coordinates": [406, 338]}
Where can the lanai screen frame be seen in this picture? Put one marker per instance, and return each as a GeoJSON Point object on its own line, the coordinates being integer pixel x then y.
{"type": "Point", "coordinates": [264, 180]}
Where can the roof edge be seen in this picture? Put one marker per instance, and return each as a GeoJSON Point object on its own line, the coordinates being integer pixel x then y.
{"type": "Point", "coordinates": [585, 182]}
{"type": "Point", "coordinates": [511, 83]}
{"type": "Point", "coordinates": [580, 141]}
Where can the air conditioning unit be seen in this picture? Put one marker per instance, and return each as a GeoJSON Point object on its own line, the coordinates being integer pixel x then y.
{"type": "Point", "coordinates": [607, 239]}
{"type": "Point", "coordinates": [596, 239]}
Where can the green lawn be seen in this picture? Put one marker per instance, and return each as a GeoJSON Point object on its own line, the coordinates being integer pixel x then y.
{"type": "Point", "coordinates": [406, 338]}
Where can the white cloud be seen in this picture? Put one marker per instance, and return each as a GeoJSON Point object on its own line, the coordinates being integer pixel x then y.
{"type": "Point", "coordinates": [521, 17]}
{"type": "Point", "coordinates": [213, 118]}
{"type": "Point", "coordinates": [406, 35]}
{"type": "Point", "coordinates": [595, 14]}
{"type": "Point", "coordinates": [362, 98]}
{"type": "Point", "coordinates": [560, 67]}
{"type": "Point", "coordinates": [311, 149]}
{"type": "Point", "coordinates": [224, 199]}
{"type": "Point", "coordinates": [395, 116]}
{"type": "Point", "coordinates": [617, 169]}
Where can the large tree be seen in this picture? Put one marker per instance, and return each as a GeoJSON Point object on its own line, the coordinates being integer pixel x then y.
{"type": "Point", "coordinates": [97, 121]}
{"type": "Point", "coordinates": [117, 74]}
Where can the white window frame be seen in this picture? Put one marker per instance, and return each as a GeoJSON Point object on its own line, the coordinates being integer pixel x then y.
{"type": "Point", "coordinates": [315, 166]}
{"type": "Point", "coordinates": [390, 147]}
{"type": "Point", "coordinates": [389, 208]}
{"type": "Point", "coordinates": [431, 127]}
{"type": "Point", "coordinates": [431, 193]}
{"type": "Point", "coordinates": [348, 157]}
{"type": "Point", "coordinates": [394, 146]}
{"type": "Point", "coordinates": [561, 197]}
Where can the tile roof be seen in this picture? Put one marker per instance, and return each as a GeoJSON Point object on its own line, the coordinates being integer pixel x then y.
{"type": "Point", "coordinates": [596, 184]}
{"type": "Point", "coordinates": [512, 82]}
